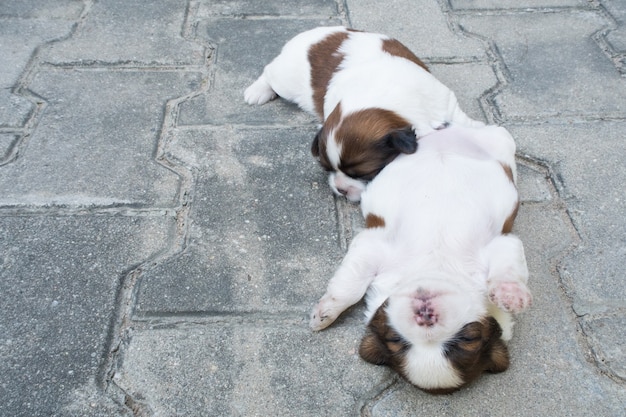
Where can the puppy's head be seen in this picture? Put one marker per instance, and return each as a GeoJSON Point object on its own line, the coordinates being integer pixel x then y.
{"type": "Point", "coordinates": [435, 339]}
{"type": "Point", "coordinates": [354, 148]}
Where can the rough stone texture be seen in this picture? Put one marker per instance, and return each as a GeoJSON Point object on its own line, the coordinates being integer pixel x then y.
{"type": "Point", "coordinates": [161, 242]}
{"type": "Point", "coordinates": [574, 81]}
{"type": "Point", "coordinates": [129, 32]}
{"type": "Point", "coordinates": [248, 368]}
{"type": "Point", "coordinates": [95, 145]}
{"type": "Point", "coordinates": [60, 278]}
{"type": "Point", "coordinates": [427, 29]}
{"type": "Point", "coordinates": [262, 235]}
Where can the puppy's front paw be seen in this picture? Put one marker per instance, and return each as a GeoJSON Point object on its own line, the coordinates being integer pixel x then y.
{"type": "Point", "coordinates": [324, 313]}
{"type": "Point", "coordinates": [259, 92]}
{"type": "Point", "coordinates": [511, 296]}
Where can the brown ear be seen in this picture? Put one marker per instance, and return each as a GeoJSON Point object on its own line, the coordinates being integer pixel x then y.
{"type": "Point", "coordinates": [402, 140]}
{"type": "Point", "coordinates": [498, 360]}
{"type": "Point", "coordinates": [373, 349]}
{"type": "Point", "coordinates": [498, 357]}
{"type": "Point", "coordinates": [381, 344]}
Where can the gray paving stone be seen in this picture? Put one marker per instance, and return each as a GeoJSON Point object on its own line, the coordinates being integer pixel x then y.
{"type": "Point", "coordinates": [468, 81]}
{"type": "Point", "coordinates": [242, 49]}
{"type": "Point", "coordinates": [532, 183]}
{"type": "Point", "coordinates": [95, 145]}
{"type": "Point", "coordinates": [253, 8]}
{"type": "Point", "coordinates": [558, 84]}
{"type": "Point", "coordinates": [515, 4]}
{"type": "Point", "coordinates": [606, 341]}
{"type": "Point", "coordinates": [617, 36]}
{"type": "Point", "coordinates": [7, 144]}
{"type": "Point", "coordinates": [59, 277]}
{"type": "Point", "coordinates": [588, 160]}
{"type": "Point", "coordinates": [42, 9]}
{"type": "Point", "coordinates": [422, 26]}
{"type": "Point", "coordinates": [248, 369]}
{"type": "Point", "coordinates": [263, 231]}
{"type": "Point", "coordinates": [129, 32]}
{"type": "Point", "coordinates": [22, 31]}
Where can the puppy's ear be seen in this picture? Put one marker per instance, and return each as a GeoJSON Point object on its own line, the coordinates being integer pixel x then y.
{"type": "Point", "coordinates": [498, 357]}
{"type": "Point", "coordinates": [498, 354]}
{"type": "Point", "coordinates": [381, 344]}
{"type": "Point", "coordinates": [373, 349]}
{"type": "Point", "coordinates": [315, 146]}
{"type": "Point", "coordinates": [403, 140]}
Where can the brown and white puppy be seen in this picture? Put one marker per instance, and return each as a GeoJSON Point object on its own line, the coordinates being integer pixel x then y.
{"type": "Point", "coordinates": [374, 96]}
{"type": "Point", "coordinates": [440, 267]}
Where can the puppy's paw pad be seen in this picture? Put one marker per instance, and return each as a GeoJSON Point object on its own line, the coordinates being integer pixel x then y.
{"type": "Point", "coordinates": [323, 315]}
{"type": "Point", "coordinates": [259, 92]}
{"type": "Point", "coordinates": [510, 296]}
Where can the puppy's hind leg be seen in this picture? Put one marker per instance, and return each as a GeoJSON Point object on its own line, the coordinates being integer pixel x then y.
{"type": "Point", "coordinates": [508, 274]}
{"type": "Point", "coordinates": [259, 92]}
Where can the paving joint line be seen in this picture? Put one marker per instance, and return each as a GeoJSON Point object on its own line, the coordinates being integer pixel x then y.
{"type": "Point", "coordinates": [19, 88]}
{"type": "Point", "coordinates": [122, 322]}
{"type": "Point", "coordinates": [387, 387]}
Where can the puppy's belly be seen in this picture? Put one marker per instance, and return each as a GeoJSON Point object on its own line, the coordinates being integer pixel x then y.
{"type": "Point", "coordinates": [434, 198]}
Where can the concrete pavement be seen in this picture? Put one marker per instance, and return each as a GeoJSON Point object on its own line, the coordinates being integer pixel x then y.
{"type": "Point", "coordinates": [161, 242]}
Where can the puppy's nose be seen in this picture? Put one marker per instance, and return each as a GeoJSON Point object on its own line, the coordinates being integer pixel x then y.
{"type": "Point", "coordinates": [426, 316]}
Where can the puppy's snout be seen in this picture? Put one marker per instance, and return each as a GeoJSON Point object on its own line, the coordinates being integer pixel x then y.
{"type": "Point", "coordinates": [342, 191]}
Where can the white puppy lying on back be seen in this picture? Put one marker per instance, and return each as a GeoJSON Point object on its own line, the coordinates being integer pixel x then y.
{"type": "Point", "coordinates": [372, 94]}
{"type": "Point", "coordinates": [441, 270]}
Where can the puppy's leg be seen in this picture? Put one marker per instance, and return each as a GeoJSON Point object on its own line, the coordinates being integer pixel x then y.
{"type": "Point", "coordinates": [507, 274]}
{"type": "Point", "coordinates": [259, 92]}
{"type": "Point", "coordinates": [350, 282]}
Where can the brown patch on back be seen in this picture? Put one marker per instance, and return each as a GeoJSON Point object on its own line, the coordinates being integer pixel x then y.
{"type": "Point", "coordinates": [508, 223]}
{"type": "Point", "coordinates": [396, 48]}
{"type": "Point", "coordinates": [381, 344]}
{"type": "Point", "coordinates": [478, 348]}
{"type": "Point", "coordinates": [372, 221]}
{"type": "Point", "coordinates": [324, 59]}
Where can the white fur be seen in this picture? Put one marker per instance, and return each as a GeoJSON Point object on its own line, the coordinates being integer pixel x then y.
{"type": "Point", "coordinates": [368, 77]}
{"type": "Point", "coordinates": [443, 208]}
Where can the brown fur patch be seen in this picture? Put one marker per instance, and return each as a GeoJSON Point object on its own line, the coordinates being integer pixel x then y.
{"type": "Point", "coordinates": [508, 223]}
{"type": "Point", "coordinates": [373, 221]}
{"type": "Point", "coordinates": [507, 227]}
{"type": "Point", "coordinates": [381, 344]}
{"type": "Point", "coordinates": [475, 349]}
{"type": "Point", "coordinates": [478, 348]}
{"type": "Point", "coordinates": [370, 139]}
{"type": "Point", "coordinates": [324, 59]}
{"type": "Point", "coordinates": [395, 48]}
{"type": "Point", "coordinates": [318, 147]}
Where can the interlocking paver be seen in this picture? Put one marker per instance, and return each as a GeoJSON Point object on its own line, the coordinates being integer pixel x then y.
{"type": "Point", "coordinates": [94, 145]}
{"type": "Point", "coordinates": [554, 67]}
{"type": "Point", "coordinates": [262, 234]}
